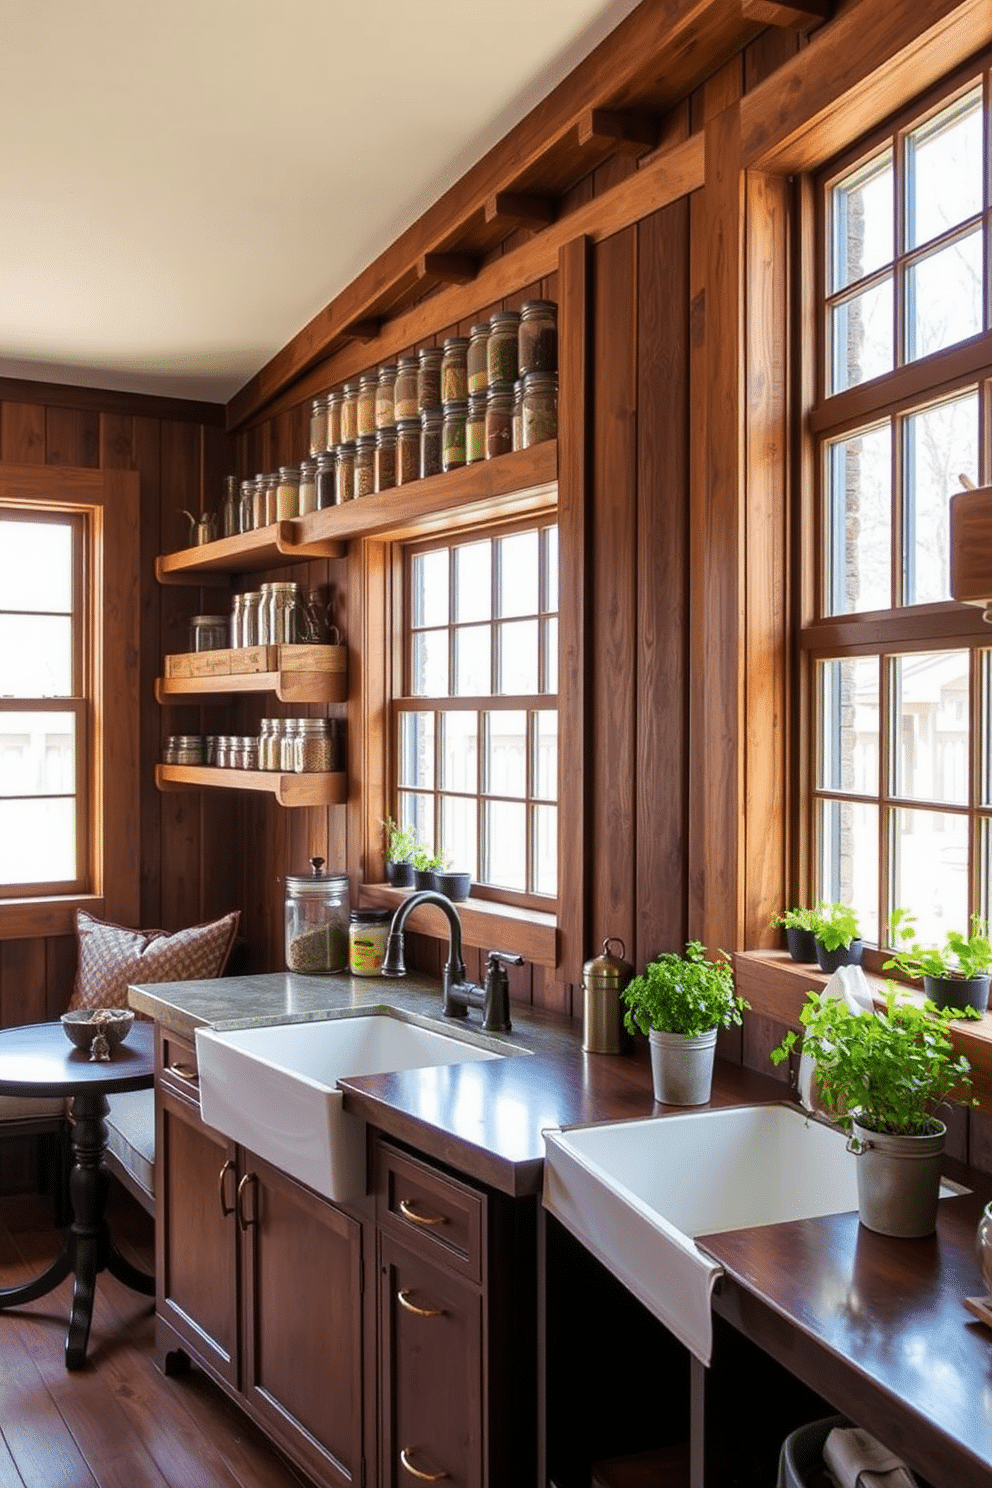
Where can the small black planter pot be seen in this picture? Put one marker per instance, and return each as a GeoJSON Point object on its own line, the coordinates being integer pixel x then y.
{"type": "Point", "coordinates": [801, 943]}
{"type": "Point", "coordinates": [842, 956]}
{"type": "Point", "coordinates": [423, 878]}
{"type": "Point", "coordinates": [400, 875]}
{"type": "Point", "coordinates": [455, 885]}
{"type": "Point", "coordinates": [958, 992]}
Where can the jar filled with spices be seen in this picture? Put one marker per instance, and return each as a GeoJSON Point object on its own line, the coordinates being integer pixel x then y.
{"type": "Point", "coordinates": [518, 415]}
{"type": "Point", "coordinates": [385, 415]}
{"type": "Point", "coordinates": [405, 403]}
{"type": "Point", "coordinates": [540, 407]}
{"type": "Point", "coordinates": [344, 472]}
{"type": "Point", "coordinates": [246, 506]}
{"type": "Point", "coordinates": [326, 487]}
{"type": "Point", "coordinates": [475, 428]}
{"type": "Point", "coordinates": [285, 612]}
{"type": "Point", "coordinates": [187, 749]}
{"type": "Point", "coordinates": [499, 420]}
{"type": "Point", "coordinates": [258, 502]}
{"type": "Point", "coordinates": [288, 493]}
{"type": "Point", "coordinates": [368, 930]}
{"type": "Point", "coordinates": [246, 752]}
{"type": "Point", "coordinates": [308, 486]}
{"type": "Point", "coordinates": [385, 459]}
{"type": "Point", "coordinates": [429, 377]}
{"type": "Point", "coordinates": [268, 744]}
{"type": "Point", "coordinates": [453, 435]}
{"type": "Point", "coordinates": [349, 413]}
{"type": "Point", "coordinates": [334, 400]}
{"type": "Point", "coordinates": [318, 426]}
{"type": "Point", "coordinates": [313, 746]}
{"type": "Point", "coordinates": [454, 370]}
{"type": "Point", "coordinates": [407, 451]}
{"type": "Point", "coordinates": [364, 465]}
{"type": "Point", "coordinates": [476, 369]}
{"type": "Point", "coordinates": [430, 442]}
{"type": "Point", "coordinates": [317, 921]}
{"type": "Point", "coordinates": [229, 509]}
{"type": "Point", "coordinates": [365, 403]}
{"type": "Point", "coordinates": [537, 341]}
{"type": "Point", "coordinates": [501, 348]}
{"type": "Point", "coordinates": [271, 498]}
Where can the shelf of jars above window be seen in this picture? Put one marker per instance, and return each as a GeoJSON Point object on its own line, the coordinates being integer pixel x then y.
{"type": "Point", "coordinates": [971, 547]}
{"type": "Point", "coordinates": [519, 483]}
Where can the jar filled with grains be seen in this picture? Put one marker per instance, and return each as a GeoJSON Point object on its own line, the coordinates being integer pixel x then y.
{"type": "Point", "coordinates": [385, 459]}
{"type": "Point", "coordinates": [454, 370]}
{"type": "Point", "coordinates": [499, 420]}
{"type": "Point", "coordinates": [268, 744]}
{"type": "Point", "coordinates": [318, 426]}
{"type": "Point", "coordinates": [385, 415]}
{"type": "Point", "coordinates": [407, 451]}
{"type": "Point", "coordinates": [537, 341]}
{"type": "Point", "coordinates": [271, 498]}
{"type": "Point", "coordinates": [313, 746]}
{"type": "Point", "coordinates": [475, 428]}
{"type": "Point", "coordinates": [476, 370]}
{"type": "Point", "coordinates": [344, 473]}
{"type": "Point", "coordinates": [405, 403]}
{"type": "Point", "coordinates": [540, 407]}
{"type": "Point", "coordinates": [349, 413]}
{"type": "Point", "coordinates": [430, 442]}
{"type": "Point", "coordinates": [501, 348]}
{"type": "Point", "coordinates": [288, 493]}
{"type": "Point", "coordinates": [453, 435]}
{"type": "Point", "coordinates": [334, 401]}
{"type": "Point", "coordinates": [308, 486]}
{"type": "Point", "coordinates": [326, 484]}
{"type": "Point", "coordinates": [285, 612]}
{"type": "Point", "coordinates": [365, 403]}
{"type": "Point", "coordinates": [363, 480]}
{"type": "Point", "coordinates": [317, 921]}
{"type": "Point", "coordinates": [429, 377]}
{"type": "Point", "coordinates": [258, 502]}
{"type": "Point", "coordinates": [518, 415]}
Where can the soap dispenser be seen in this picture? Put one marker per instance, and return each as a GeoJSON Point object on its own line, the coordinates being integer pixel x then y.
{"type": "Point", "coordinates": [603, 979]}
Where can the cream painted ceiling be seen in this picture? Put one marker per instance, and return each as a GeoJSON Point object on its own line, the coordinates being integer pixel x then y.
{"type": "Point", "coordinates": [184, 183]}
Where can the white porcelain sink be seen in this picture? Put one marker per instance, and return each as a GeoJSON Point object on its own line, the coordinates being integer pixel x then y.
{"type": "Point", "coordinates": [274, 1089]}
{"type": "Point", "coordinates": [637, 1192]}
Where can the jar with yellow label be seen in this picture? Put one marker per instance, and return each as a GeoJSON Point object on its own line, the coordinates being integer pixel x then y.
{"type": "Point", "coordinates": [368, 930]}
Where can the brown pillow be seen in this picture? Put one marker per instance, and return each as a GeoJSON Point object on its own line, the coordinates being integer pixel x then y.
{"type": "Point", "coordinates": [110, 957]}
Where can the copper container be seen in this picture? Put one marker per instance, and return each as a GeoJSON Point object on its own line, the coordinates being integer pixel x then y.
{"type": "Point", "coordinates": [603, 979]}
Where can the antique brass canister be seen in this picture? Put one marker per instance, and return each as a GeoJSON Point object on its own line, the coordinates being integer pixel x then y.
{"type": "Point", "coordinates": [603, 979]}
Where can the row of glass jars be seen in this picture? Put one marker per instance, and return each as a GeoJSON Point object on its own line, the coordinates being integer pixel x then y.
{"type": "Point", "coordinates": [273, 615]}
{"type": "Point", "coordinates": [290, 745]}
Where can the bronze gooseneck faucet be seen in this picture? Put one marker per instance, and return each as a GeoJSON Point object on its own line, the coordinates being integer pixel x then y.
{"type": "Point", "coordinates": [459, 995]}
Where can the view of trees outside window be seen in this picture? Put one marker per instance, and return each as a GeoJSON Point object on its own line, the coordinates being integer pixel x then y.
{"type": "Point", "coordinates": [477, 725]}
{"type": "Point", "coordinates": [900, 777]}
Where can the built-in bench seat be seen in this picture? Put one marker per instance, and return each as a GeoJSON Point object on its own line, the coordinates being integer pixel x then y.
{"type": "Point", "coordinates": [130, 1152]}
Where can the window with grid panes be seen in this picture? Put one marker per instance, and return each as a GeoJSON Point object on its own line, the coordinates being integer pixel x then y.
{"type": "Point", "coordinates": [476, 727]}
{"type": "Point", "coordinates": [900, 768]}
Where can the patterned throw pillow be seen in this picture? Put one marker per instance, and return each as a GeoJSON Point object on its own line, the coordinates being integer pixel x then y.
{"type": "Point", "coordinates": [110, 957]}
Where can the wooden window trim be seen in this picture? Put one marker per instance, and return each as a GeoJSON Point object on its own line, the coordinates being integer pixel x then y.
{"type": "Point", "coordinates": [111, 500]}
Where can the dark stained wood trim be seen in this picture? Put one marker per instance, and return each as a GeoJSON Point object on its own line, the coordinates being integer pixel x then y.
{"type": "Point", "coordinates": [101, 400]}
{"type": "Point", "coordinates": [521, 209]}
{"type": "Point", "coordinates": [791, 17]}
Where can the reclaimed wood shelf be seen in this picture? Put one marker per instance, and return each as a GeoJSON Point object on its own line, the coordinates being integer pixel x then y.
{"type": "Point", "coordinates": [265, 547]}
{"type": "Point", "coordinates": [307, 789]}
{"type": "Point", "coordinates": [295, 674]}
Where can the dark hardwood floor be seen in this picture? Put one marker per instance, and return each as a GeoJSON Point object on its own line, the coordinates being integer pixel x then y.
{"type": "Point", "coordinates": [118, 1423]}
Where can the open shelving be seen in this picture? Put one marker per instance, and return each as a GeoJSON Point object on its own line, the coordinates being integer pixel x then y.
{"type": "Point", "coordinates": [311, 788]}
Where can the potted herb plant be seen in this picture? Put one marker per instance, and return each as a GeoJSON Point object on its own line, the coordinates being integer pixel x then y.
{"type": "Point", "coordinates": [401, 844]}
{"type": "Point", "coordinates": [883, 1074]}
{"type": "Point", "coordinates": [837, 936]}
{"type": "Point", "coordinates": [680, 1002]}
{"type": "Point", "coordinates": [956, 974]}
{"type": "Point", "coordinates": [426, 863]}
{"type": "Point", "coordinates": [800, 932]}
{"type": "Point", "coordinates": [455, 884]}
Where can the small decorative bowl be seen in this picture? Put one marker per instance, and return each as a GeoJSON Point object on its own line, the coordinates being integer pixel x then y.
{"type": "Point", "coordinates": [83, 1025]}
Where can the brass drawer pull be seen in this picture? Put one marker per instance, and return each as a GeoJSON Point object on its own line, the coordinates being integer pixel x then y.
{"type": "Point", "coordinates": [428, 1221]}
{"type": "Point", "coordinates": [415, 1471]}
{"type": "Point", "coordinates": [243, 1221]}
{"type": "Point", "coordinates": [187, 1072]}
{"type": "Point", "coordinates": [225, 1207]}
{"type": "Point", "coordinates": [403, 1298]}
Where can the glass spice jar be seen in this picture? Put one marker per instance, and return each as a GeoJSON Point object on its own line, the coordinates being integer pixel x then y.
{"type": "Point", "coordinates": [287, 493]}
{"type": "Point", "coordinates": [234, 627]}
{"type": "Point", "coordinates": [429, 377]}
{"type": "Point", "coordinates": [363, 479]}
{"type": "Point", "coordinates": [308, 486]}
{"type": "Point", "coordinates": [454, 370]}
{"type": "Point", "coordinates": [209, 633]}
{"type": "Point", "coordinates": [349, 413]}
{"type": "Point", "coordinates": [344, 473]}
{"type": "Point", "coordinates": [385, 459]}
{"type": "Point", "coordinates": [246, 506]}
{"type": "Point", "coordinates": [385, 414]}
{"type": "Point", "coordinates": [405, 403]}
{"type": "Point", "coordinates": [258, 502]}
{"type": "Point", "coordinates": [518, 415]}
{"type": "Point", "coordinates": [271, 498]}
{"type": "Point", "coordinates": [475, 428]}
{"type": "Point", "coordinates": [313, 746]}
{"type": "Point", "coordinates": [501, 348]}
{"type": "Point", "coordinates": [476, 369]}
{"type": "Point", "coordinates": [326, 485]}
{"type": "Point", "coordinates": [539, 407]}
{"type": "Point", "coordinates": [318, 426]}
{"type": "Point", "coordinates": [285, 614]}
{"type": "Point", "coordinates": [537, 339]}
{"type": "Point", "coordinates": [499, 420]}
{"type": "Point", "coordinates": [229, 508]}
{"type": "Point", "coordinates": [453, 435]}
{"type": "Point", "coordinates": [287, 745]}
{"type": "Point", "coordinates": [268, 744]}
{"type": "Point", "coordinates": [251, 603]}
{"type": "Point", "coordinates": [430, 442]}
{"type": "Point", "coordinates": [365, 403]}
{"type": "Point", "coordinates": [264, 615]}
{"type": "Point", "coordinates": [334, 401]}
{"type": "Point", "coordinates": [316, 921]}
{"type": "Point", "coordinates": [407, 451]}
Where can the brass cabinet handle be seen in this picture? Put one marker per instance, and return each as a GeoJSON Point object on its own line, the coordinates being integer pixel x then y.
{"type": "Point", "coordinates": [187, 1072]}
{"type": "Point", "coordinates": [403, 1298]}
{"type": "Point", "coordinates": [415, 1471]}
{"type": "Point", "coordinates": [427, 1220]}
{"type": "Point", "coordinates": [244, 1222]}
{"type": "Point", "coordinates": [228, 1167]}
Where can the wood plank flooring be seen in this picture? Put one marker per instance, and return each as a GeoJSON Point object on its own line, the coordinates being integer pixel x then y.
{"type": "Point", "coordinates": [118, 1423]}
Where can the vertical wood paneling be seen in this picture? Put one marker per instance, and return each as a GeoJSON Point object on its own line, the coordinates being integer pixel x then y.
{"type": "Point", "coordinates": [72, 436]}
{"type": "Point", "coordinates": [22, 433]}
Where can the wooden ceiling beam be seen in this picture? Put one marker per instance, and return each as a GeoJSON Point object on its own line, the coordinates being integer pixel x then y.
{"type": "Point", "coordinates": [447, 268]}
{"type": "Point", "coordinates": [788, 17]}
{"type": "Point", "coordinates": [628, 133]}
{"type": "Point", "coordinates": [520, 209]}
{"type": "Point", "coordinates": [366, 329]}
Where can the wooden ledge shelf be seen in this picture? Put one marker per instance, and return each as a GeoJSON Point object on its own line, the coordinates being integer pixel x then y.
{"type": "Point", "coordinates": [295, 673]}
{"type": "Point", "coordinates": [493, 927]}
{"type": "Point", "coordinates": [265, 547]}
{"type": "Point", "coordinates": [310, 789]}
{"type": "Point", "coordinates": [288, 687]}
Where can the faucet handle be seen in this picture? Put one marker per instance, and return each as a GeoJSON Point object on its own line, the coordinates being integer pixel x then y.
{"type": "Point", "coordinates": [506, 958]}
{"type": "Point", "coordinates": [496, 1008]}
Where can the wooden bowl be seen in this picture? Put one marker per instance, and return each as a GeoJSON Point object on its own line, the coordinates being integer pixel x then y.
{"type": "Point", "coordinates": [83, 1025]}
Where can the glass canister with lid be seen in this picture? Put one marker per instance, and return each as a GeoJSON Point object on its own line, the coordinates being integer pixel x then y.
{"type": "Point", "coordinates": [317, 921]}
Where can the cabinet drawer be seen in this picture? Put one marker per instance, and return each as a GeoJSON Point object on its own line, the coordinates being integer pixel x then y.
{"type": "Point", "coordinates": [177, 1069]}
{"type": "Point", "coordinates": [436, 1215]}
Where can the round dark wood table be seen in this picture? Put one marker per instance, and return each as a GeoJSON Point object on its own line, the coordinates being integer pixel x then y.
{"type": "Point", "coordinates": [39, 1060]}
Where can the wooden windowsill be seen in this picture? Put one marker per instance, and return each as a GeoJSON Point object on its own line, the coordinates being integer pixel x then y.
{"type": "Point", "coordinates": [54, 914]}
{"type": "Point", "coordinates": [528, 932]}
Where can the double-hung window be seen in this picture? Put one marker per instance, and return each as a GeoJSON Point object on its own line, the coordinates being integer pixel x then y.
{"type": "Point", "coordinates": [899, 760]}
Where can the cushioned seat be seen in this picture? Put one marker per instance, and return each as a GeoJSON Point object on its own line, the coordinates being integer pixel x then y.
{"type": "Point", "coordinates": [131, 1143]}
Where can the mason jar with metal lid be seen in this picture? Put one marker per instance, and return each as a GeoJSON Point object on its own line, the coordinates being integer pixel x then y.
{"type": "Point", "coordinates": [287, 493]}
{"type": "Point", "coordinates": [385, 412]}
{"type": "Point", "coordinates": [235, 633]}
{"type": "Point", "coordinates": [603, 979]}
{"type": "Point", "coordinates": [454, 371]}
{"type": "Point", "coordinates": [317, 921]}
{"type": "Point", "coordinates": [318, 426]}
{"type": "Point", "coordinates": [385, 459]}
{"type": "Point", "coordinates": [407, 451]}
{"type": "Point", "coordinates": [251, 603]}
{"type": "Point", "coordinates": [363, 469]}
{"type": "Point", "coordinates": [537, 341]}
{"type": "Point", "coordinates": [308, 486]}
{"type": "Point", "coordinates": [501, 348]}
{"type": "Point", "coordinates": [349, 413]}
{"type": "Point", "coordinates": [284, 607]}
{"type": "Point", "coordinates": [344, 473]}
{"type": "Point", "coordinates": [477, 373]}
{"type": "Point", "coordinates": [405, 403]}
{"type": "Point", "coordinates": [334, 401]}
{"type": "Point", "coordinates": [429, 377]}
{"type": "Point", "coordinates": [209, 633]}
{"type": "Point", "coordinates": [313, 746]}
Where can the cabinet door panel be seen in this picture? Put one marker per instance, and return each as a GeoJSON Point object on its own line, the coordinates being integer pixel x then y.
{"type": "Point", "coordinates": [196, 1261]}
{"type": "Point", "coordinates": [431, 1371]}
{"type": "Point", "coordinates": [303, 1335]}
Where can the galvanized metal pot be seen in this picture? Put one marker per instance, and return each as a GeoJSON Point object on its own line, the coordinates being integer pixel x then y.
{"type": "Point", "coordinates": [682, 1067]}
{"type": "Point", "coordinates": [898, 1181]}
